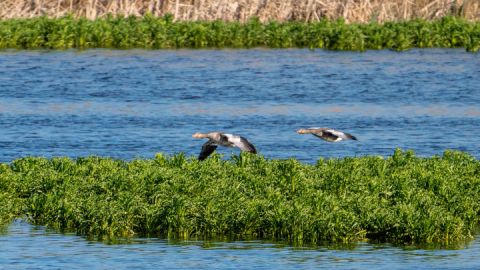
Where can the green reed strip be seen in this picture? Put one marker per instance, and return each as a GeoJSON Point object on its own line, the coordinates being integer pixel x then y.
{"type": "Point", "coordinates": [162, 33]}
{"type": "Point", "coordinates": [402, 198]}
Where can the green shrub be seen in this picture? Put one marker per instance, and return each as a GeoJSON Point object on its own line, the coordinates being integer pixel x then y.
{"type": "Point", "coordinates": [402, 198]}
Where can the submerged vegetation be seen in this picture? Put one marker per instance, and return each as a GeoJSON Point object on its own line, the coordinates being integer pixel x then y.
{"type": "Point", "coordinates": [162, 32]}
{"type": "Point", "coordinates": [402, 198]}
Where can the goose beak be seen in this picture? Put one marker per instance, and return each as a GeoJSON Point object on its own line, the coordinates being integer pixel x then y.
{"type": "Point", "coordinates": [197, 135]}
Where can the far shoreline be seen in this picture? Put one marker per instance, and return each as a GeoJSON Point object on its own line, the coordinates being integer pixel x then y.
{"type": "Point", "coordinates": [150, 32]}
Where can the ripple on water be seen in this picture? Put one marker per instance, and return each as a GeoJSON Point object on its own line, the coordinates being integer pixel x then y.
{"type": "Point", "coordinates": [75, 101]}
{"type": "Point", "coordinates": [134, 103]}
{"type": "Point", "coordinates": [28, 246]}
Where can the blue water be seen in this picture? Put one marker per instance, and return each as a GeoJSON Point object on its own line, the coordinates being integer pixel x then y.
{"type": "Point", "coordinates": [24, 246]}
{"type": "Point", "coordinates": [133, 104]}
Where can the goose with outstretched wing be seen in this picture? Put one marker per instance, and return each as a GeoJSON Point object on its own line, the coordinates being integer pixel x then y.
{"type": "Point", "coordinates": [327, 134]}
{"type": "Point", "coordinates": [216, 139]}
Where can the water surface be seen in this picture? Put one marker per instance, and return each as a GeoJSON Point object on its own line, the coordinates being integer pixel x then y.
{"type": "Point", "coordinates": [33, 247]}
{"type": "Point", "coordinates": [135, 103]}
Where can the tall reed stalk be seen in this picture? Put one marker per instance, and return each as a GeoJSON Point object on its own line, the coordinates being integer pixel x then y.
{"type": "Point", "coordinates": [360, 11]}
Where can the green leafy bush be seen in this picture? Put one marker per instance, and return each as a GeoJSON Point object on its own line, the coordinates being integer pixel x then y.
{"type": "Point", "coordinates": [402, 198]}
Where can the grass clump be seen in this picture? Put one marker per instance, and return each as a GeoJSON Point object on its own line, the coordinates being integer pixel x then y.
{"type": "Point", "coordinates": [163, 33]}
{"type": "Point", "coordinates": [402, 198]}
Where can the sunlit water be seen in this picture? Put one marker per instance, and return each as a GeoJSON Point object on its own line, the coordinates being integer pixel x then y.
{"type": "Point", "coordinates": [133, 104]}
{"type": "Point", "coordinates": [33, 247]}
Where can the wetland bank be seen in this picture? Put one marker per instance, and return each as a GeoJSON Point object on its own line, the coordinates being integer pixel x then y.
{"type": "Point", "coordinates": [97, 142]}
{"type": "Point", "coordinates": [359, 191]}
{"type": "Point", "coordinates": [163, 33]}
{"type": "Point", "coordinates": [402, 198]}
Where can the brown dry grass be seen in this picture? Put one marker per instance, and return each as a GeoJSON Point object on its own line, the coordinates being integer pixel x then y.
{"type": "Point", "coordinates": [241, 10]}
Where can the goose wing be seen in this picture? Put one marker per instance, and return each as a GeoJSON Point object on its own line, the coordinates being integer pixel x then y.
{"type": "Point", "coordinates": [207, 149]}
{"type": "Point", "coordinates": [336, 135]}
{"type": "Point", "coordinates": [327, 134]}
{"type": "Point", "coordinates": [343, 135]}
{"type": "Point", "coordinates": [243, 144]}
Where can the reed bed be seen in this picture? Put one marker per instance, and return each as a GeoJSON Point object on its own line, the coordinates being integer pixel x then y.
{"type": "Point", "coordinates": [359, 11]}
{"type": "Point", "coordinates": [402, 198]}
{"type": "Point", "coordinates": [159, 33]}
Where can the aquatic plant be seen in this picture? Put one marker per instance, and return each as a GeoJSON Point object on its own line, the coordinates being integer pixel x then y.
{"type": "Point", "coordinates": [402, 198]}
{"type": "Point", "coordinates": [162, 33]}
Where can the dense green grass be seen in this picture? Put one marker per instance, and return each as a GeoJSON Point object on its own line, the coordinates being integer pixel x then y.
{"type": "Point", "coordinates": [157, 33]}
{"type": "Point", "coordinates": [402, 198]}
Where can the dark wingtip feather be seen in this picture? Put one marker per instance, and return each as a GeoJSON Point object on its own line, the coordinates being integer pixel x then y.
{"type": "Point", "coordinates": [202, 157]}
{"type": "Point", "coordinates": [207, 149]}
{"type": "Point", "coordinates": [249, 146]}
{"type": "Point", "coordinates": [352, 137]}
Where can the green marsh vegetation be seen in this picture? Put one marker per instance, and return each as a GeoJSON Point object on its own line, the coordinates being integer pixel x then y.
{"type": "Point", "coordinates": [402, 198]}
{"type": "Point", "coordinates": [163, 33]}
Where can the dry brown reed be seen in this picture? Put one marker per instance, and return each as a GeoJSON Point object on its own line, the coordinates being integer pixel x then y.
{"type": "Point", "coordinates": [362, 11]}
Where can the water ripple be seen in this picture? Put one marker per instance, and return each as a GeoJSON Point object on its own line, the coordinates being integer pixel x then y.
{"type": "Point", "coordinates": [72, 103]}
{"type": "Point", "coordinates": [26, 246]}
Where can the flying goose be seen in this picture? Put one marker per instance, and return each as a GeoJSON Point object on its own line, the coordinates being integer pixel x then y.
{"type": "Point", "coordinates": [223, 139]}
{"type": "Point", "coordinates": [328, 134]}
